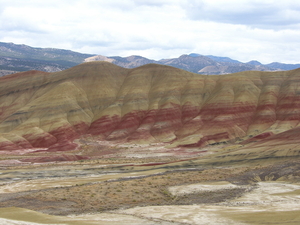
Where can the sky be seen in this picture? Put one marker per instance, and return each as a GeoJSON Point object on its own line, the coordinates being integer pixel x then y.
{"type": "Point", "coordinates": [263, 30]}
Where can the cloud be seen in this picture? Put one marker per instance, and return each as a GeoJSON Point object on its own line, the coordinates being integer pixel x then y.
{"type": "Point", "coordinates": [260, 14]}
{"type": "Point", "coordinates": [153, 3]}
{"type": "Point", "coordinates": [264, 30]}
{"type": "Point", "coordinates": [14, 19]}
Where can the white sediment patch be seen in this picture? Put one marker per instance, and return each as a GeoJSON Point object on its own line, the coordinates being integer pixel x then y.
{"type": "Point", "coordinates": [267, 197]}
{"type": "Point", "coordinates": [201, 187]}
{"type": "Point", "coordinates": [189, 214]}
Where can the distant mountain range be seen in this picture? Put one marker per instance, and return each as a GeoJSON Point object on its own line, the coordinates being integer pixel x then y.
{"type": "Point", "coordinates": [16, 58]}
{"type": "Point", "coordinates": [196, 63]}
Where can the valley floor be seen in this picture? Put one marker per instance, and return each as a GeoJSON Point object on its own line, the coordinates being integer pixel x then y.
{"type": "Point", "coordinates": [187, 191]}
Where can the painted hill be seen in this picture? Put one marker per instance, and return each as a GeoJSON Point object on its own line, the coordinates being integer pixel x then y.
{"type": "Point", "coordinates": [150, 104]}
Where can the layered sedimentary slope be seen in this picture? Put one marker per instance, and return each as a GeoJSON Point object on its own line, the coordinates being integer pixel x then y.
{"type": "Point", "coordinates": [151, 103]}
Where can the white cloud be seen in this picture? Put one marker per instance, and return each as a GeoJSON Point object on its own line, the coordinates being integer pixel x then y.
{"type": "Point", "coordinates": [256, 13]}
{"type": "Point", "coordinates": [244, 30]}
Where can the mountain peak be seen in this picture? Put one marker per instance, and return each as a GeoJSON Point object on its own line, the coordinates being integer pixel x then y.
{"type": "Point", "coordinates": [194, 55]}
{"type": "Point", "coordinates": [254, 62]}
